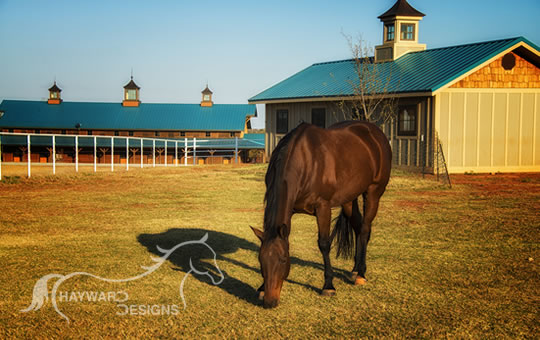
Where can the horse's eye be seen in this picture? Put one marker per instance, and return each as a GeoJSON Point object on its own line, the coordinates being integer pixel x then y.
{"type": "Point", "coordinates": [282, 260]}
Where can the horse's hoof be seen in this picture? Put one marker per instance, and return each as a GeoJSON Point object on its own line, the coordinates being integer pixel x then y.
{"type": "Point", "coordinates": [354, 275]}
{"type": "Point", "coordinates": [328, 292]}
{"type": "Point", "coordinates": [360, 281]}
{"type": "Point", "coordinates": [261, 295]}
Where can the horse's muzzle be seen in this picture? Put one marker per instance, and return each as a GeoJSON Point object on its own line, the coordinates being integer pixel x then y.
{"type": "Point", "coordinates": [270, 303]}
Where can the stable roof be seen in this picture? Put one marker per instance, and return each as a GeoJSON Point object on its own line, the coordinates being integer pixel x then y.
{"type": "Point", "coordinates": [114, 116]}
{"type": "Point", "coordinates": [422, 72]}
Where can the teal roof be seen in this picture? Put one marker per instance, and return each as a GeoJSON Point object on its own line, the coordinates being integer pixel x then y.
{"type": "Point", "coordinates": [415, 72]}
{"type": "Point", "coordinates": [114, 116]}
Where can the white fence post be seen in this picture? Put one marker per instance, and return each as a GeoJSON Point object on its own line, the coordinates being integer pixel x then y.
{"type": "Point", "coordinates": [54, 155]}
{"type": "Point", "coordinates": [127, 153]}
{"type": "Point", "coordinates": [185, 151]}
{"type": "Point", "coordinates": [28, 146]}
{"type": "Point", "coordinates": [236, 150]}
{"type": "Point", "coordinates": [112, 154]}
{"type": "Point", "coordinates": [142, 153]}
{"type": "Point", "coordinates": [76, 153]}
{"type": "Point", "coordinates": [95, 153]}
{"type": "Point", "coordinates": [153, 153]}
{"type": "Point", "coordinates": [194, 150]}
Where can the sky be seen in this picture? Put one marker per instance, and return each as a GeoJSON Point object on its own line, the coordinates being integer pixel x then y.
{"type": "Point", "coordinates": [239, 48]}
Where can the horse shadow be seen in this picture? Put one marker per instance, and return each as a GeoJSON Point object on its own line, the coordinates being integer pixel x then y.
{"type": "Point", "coordinates": [198, 257]}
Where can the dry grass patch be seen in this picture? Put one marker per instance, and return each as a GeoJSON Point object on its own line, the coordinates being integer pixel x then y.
{"type": "Point", "coordinates": [441, 263]}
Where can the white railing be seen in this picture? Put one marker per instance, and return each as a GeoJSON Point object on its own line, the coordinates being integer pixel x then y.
{"type": "Point", "coordinates": [188, 148]}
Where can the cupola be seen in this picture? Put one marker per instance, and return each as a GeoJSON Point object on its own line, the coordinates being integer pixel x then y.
{"type": "Point", "coordinates": [131, 94]}
{"type": "Point", "coordinates": [400, 32]}
{"type": "Point", "coordinates": [54, 95]}
{"type": "Point", "coordinates": [206, 97]}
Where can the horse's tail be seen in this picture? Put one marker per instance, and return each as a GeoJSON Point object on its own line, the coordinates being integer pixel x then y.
{"type": "Point", "coordinates": [345, 236]}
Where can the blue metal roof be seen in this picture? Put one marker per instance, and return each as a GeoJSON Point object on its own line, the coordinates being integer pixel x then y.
{"type": "Point", "coordinates": [114, 116]}
{"type": "Point", "coordinates": [423, 71]}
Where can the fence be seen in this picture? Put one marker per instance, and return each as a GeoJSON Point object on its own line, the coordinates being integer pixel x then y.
{"type": "Point", "coordinates": [189, 150]}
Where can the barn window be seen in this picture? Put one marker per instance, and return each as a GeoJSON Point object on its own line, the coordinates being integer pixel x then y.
{"type": "Point", "coordinates": [407, 121]}
{"type": "Point", "coordinates": [130, 133]}
{"type": "Point", "coordinates": [89, 132]}
{"type": "Point", "coordinates": [116, 133]}
{"type": "Point", "coordinates": [131, 94]}
{"type": "Point", "coordinates": [156, 134]}
{"type": "Point", "coordinates": [508, 61]}
{"type": "Point", "coordinates": [182, 133]}
{"type": "Point", "coordinates": [208, 134]}
{"type": "Point", "coordinates": [407, 31]}
{"type": "Point", "coordinates": [282, 121]}
{"type": "Point", "coordinates": [232, 134]}
{"type": "Point", "coordinates": [390, 32]}
{"type": "Point", "coordinates": [318, 117]}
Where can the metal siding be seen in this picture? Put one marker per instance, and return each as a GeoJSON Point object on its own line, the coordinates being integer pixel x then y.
{"type": "Point", "coordinates": [499, 130]}
{"type": "Point", "coordinates": [471, 130]}
{"type": "Point", "coordinates": [527, 129]}
{"type": "Point", "coordinates": [537, 130]}
{"type": "Point", "coordinates": [513, 126]}
{"type": "Point", "coordinates": [455, 142]}
{"type": "Point", "coordinates": [485, 138]}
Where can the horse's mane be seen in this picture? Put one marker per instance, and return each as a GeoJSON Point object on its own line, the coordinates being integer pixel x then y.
{"type": "Point", "coordinates": [274, 181]}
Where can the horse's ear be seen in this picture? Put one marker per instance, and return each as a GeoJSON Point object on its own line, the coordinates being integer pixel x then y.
{"type": "Point", "coordinates": [283, 231]}
{"type": "Point", "coordinates": [204, 238]}
{"type": "Point", "coordinates": [257, 233]}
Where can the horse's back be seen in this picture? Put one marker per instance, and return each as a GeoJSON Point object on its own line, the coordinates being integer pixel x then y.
{"type": "Point", "coordinates": [351, 154]}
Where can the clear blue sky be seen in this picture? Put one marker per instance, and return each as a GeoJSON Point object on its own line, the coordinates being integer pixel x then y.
{"type": "Point", "coordinates": [239, 47]}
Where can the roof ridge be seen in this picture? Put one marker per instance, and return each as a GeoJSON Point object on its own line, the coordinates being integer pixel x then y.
{"type": "Point", "coordinates": [471, 44]}
{"type": "Point", "coordinates": [430, 49]}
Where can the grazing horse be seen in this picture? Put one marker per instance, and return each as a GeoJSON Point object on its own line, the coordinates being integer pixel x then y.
{"type": "Point", "coordinates": [310, 171]}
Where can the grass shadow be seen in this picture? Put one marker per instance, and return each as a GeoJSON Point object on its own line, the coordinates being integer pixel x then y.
{"type": "Point", "coordinates": [223, 244]}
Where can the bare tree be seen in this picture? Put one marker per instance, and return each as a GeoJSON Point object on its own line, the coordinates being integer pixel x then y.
{"type": "Point", "coordinates": [371, 98]}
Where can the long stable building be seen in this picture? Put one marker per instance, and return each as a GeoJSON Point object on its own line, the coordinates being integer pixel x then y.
{"type": "Point", "coordinates": [477, 104]}
{"type": "Point", "coordinates": [218, 126]}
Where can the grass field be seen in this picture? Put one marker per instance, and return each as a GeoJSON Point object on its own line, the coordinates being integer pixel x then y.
{"type": "Point", "coordinates": [459, 263]}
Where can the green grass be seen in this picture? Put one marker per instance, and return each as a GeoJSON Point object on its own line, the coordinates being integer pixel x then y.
{"type": "Point", "coordinates": [441, 263]}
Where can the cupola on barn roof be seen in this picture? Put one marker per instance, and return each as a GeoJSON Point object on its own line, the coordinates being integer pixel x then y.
{"type": "Point", "coordinates": [401, 8]}
{"type": "Point", "coordinates": [55, 88]}
{"type": "Point", "coordinates": [207, 90]}
{"type": "Point", "coordinates": [131, 85]}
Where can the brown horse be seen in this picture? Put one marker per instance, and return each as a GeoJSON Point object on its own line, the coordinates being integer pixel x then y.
{"type": "Point", "coordinates": [310, 171]}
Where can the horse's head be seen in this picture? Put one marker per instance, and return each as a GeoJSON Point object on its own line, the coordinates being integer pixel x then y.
{"type": "Point", "coordinates": [275, 263]}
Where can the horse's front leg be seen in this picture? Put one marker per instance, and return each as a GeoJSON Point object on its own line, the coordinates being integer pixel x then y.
{"type": "Point", "coordinates": [323, 214]}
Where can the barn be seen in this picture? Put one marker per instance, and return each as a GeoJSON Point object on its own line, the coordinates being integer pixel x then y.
{"type": "Point", "coordinates": [219, 129]}
{"type": "Point", "coordinates": [472, 107]}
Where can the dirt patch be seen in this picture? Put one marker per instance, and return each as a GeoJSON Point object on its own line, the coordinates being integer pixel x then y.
{"type": "Point", "coordinates": [501, 184]}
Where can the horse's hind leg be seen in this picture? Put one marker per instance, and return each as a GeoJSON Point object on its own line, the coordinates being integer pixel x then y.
{"type": "Point", "coordinates": [324, 215]}
{"type": "Point", "coordinates": [371, 205]}
{"type": "Point", "coordinates": [356, 223]}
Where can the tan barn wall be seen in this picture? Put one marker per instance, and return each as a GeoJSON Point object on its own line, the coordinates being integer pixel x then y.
{"type": "Point", "coordinates": [489, 130]}
{"type": "Point", "coordinates": [523, 75]}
